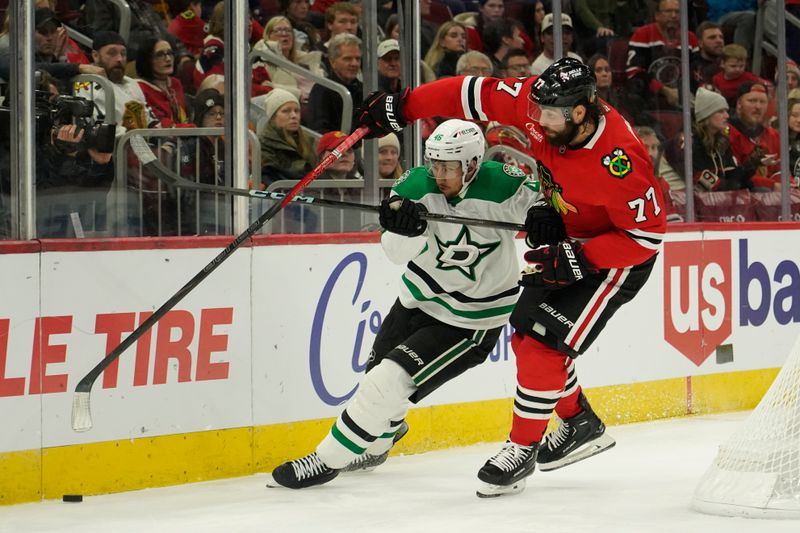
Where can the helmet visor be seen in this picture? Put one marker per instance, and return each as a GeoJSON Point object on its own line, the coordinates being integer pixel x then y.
{"type": "Point", "coordinates": [438, 169]}
{"type": "Point", "coordinates": [548, 116]}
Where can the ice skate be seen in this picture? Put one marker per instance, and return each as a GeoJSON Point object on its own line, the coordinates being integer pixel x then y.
{"type": "Point", "coordinates": [302, 473]}
{"type": "Point", "coordinates": [367, 462]}
{"type": "Point", "coordinates": [576, 438]}
{"type": "Point", "coordinates": [505, 473]}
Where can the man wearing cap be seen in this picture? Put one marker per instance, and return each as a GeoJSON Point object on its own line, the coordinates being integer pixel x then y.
{"type": "Point", "coordinates": [325, 105]}
{"type": "Point", "coordinates": [346, 168]}
{"type": "Point", "coordinates": [55, 53]}
{"type": "Point", "coordinates": [343, 167]}
{"type": "Point", "coordinates": [188, 27]}
{"type": "Point", "coordinates": [111, 54]}
{"type": "Point", "coordinates": [51, 40]}
{"type": "Point", "coordinates": [753, 143]}
{"type": "Point", "coordinates": [547, 56]}
{"type": "Point", "coordinates": [389, 66]}
{"type": "Point", "coordinates": [651, 49]}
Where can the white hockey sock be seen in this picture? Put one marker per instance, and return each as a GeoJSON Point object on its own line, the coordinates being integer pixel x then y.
{"type": "Point", "coordinates": [382, 396]}
{"type": "Point", "coordinates": [384, 443]}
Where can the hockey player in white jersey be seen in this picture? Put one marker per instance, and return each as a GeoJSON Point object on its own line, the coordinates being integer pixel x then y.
{"type": "Point", "coordinates": [457, 292]}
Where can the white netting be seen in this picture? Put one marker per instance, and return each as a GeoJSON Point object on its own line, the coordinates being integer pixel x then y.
{"type": "Point", "coordinates": [757, 472]}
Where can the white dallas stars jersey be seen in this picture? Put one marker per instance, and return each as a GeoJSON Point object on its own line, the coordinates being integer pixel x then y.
{"type": "Point", "coordinates": [464, 276]}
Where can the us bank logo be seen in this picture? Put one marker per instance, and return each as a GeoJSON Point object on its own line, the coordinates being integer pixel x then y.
{"type": "Point", "coordinates": [700, 283]}
{"type": "Point", "coordinates": [697, 297]}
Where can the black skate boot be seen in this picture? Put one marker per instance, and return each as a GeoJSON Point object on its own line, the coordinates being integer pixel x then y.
{"type": "Point", "coordinates": [302, 473]}
{"type": "Point", "coordinates": [576, 438]}
{"type": "Point", "coordinates": [367, 462]}
{"type": "Point", "coordinates": [505, 473]}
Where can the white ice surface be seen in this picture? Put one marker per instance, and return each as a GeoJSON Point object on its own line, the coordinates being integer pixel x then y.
{"type": "Point", "coordinates": [643, 485]}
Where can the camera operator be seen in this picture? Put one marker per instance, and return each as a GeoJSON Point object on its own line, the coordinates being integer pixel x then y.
{"type": "Point", "coordinates": [73, 163]}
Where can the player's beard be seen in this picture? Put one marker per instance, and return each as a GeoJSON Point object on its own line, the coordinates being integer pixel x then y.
{"type": "Point", "coordinates": [564, 137]}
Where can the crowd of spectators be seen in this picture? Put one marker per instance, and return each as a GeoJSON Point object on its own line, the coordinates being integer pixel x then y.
{"type": "Point", "coordinates": [170, 73]}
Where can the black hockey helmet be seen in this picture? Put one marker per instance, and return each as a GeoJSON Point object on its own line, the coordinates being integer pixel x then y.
{"type": "Point", "coordinates": [565, 83]}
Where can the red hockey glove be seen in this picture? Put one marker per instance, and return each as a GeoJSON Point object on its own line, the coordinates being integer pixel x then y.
{"type": "Point", "coordinates": [402, 216]}
{"type": "Point", "coordinates": [555, 266]}
{"type": "Point", "coordinates": [544, 226]}
{"type": "Point", "coordinates": [382, 113]}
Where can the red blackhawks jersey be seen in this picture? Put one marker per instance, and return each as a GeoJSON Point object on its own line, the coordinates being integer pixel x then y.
{"type": "Point", "coordinates": [605, 190]}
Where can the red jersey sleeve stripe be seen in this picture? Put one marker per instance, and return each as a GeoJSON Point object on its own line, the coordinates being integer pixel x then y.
{"type": "Point", "coordinates": [471, 98]}
{"type": "Point", "coordinates": [645, 239]}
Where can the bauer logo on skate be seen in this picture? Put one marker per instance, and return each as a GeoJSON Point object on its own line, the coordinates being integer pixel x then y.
{"type": "Point", "coordinates": [699, 290]}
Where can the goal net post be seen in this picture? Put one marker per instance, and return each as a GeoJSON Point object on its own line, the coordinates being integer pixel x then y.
{"type": "Point", "coordinates": [757, 471]}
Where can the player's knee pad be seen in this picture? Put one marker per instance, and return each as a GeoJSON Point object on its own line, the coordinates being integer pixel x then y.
{"type": "Point", "coordinates": [385, 389]}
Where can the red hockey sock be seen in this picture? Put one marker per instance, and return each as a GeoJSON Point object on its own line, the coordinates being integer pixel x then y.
{"type": "Point", "coordinates": [541, 375]}
{"type": "Point", "coordinates": [567, 407]}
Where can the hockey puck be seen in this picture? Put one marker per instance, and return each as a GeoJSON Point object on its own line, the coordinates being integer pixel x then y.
{"type": "Point", "coordinates": [72, 498]}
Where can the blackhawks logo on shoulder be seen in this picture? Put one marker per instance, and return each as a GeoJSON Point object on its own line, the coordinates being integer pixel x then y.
{"type": "Point", "coordinates": [617, 163]}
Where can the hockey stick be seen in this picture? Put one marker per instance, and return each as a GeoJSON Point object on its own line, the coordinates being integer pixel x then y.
{"type": "Point", "coordinates": [81, 413]}
{"type": "Point", "coordinates": [143, 152]}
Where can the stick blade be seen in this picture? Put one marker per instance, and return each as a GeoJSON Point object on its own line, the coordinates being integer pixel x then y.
{"type": "Point", "coordinates": [81, 414]}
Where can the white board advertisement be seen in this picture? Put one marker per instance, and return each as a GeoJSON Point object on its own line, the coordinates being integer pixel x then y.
{"type": "Point", "coordinates": [282, 333]}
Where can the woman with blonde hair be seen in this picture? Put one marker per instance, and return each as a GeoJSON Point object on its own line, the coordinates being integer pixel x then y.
{"type": "Point", "coordinates": [287, 152]}
{"type": "Point", "coordinates": [449, 44]}
{"type": "Point", "coordinates": [279, 38]}
{"type": "Point", "coordinates": [389, 157]}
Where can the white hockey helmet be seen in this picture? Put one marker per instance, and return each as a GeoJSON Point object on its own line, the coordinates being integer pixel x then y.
{"type": "Point", "coordinates": [456, 140]}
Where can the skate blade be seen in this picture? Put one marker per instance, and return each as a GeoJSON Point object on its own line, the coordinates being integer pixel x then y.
{"type": "Point", "coordinates": [367, 465]}
{"type": "Point", "coordinates": [487, 490]}
{"type": "Point", "coordinates": [272, 484]}
{"type": "Point", "coordinates": [590, 449]}
{"type": "Point", "coordinates": [354, 470]}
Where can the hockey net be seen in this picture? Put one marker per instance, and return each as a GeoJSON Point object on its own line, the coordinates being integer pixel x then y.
{"type": "Point", "coordinates": [757, 471]}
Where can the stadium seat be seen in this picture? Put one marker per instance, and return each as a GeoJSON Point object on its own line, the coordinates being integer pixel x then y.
{"type": "Point", "coordinates": [768, 205]}
{"type": "Point", "coordinates": [618, 59]}
{"type": "Point", "coordinates": [440, 13]}
{"type": "Point", "coordinates": [725, 206]}
{"type": "Point", "coordinates": [670, 122]}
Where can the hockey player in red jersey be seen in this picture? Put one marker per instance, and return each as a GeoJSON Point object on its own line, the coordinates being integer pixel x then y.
{"type": "Point", "coordinates": [598, 176]}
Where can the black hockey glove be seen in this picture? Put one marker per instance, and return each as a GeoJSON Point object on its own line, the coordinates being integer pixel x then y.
{"type": "Point", "coordinates": [544, 226]}
{"type": "Point", "coordinates": [556, 266]}
{"type": "Point", "coordinates": [382, 113]}
{"type": "Point", "coordinates": [402, 216]}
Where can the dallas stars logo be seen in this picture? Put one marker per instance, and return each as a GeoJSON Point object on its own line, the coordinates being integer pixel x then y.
{"type": "Point", "coordinates": [617, 163]}
{"type": "Point", "coordinates": [462, 253]}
